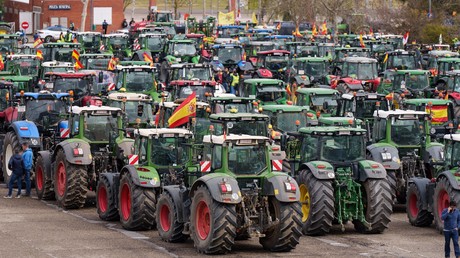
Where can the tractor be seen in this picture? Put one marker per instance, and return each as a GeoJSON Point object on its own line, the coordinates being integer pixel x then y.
{"type": "Point", "coordinates": [93, 143]}
{"type": "Point", "coordinates": [137, 108]}
{"type": "Point", "coordinates": [268, 91]}
{"type": "Point", "coordinates": [90, 41]}
{"type": "Point", "coordinates": [302, 49]}
{"type": "Point", "coordinates": [159, 159]}
{"type": "Point", "coordinates": [226, 104]}
{"type": "Point", "coordinates": [239, 123]}
{"type": "Point", "coordinates": [337, 183]}
{"type": "Point", "coordinates": [400, 60]}
{"type": "Point", "coordinates": [117, 44]}
{"type": "Point", "coordinates": [205, 27]}
{"type": "Point", "coordinates": [150, 44]}
{"type": "Point", "coordinates": [8, 44]}
{"type": "Point", "coordinates": [138, 79]}
{"type": "Point", "coordinates": [357, 73]}
{"type": "Point", "coordinates": [401, 142]}
{"type": "Point", "coordinates": [271, 64]}
{"type": "Point", "coordinates": [186, 71]}
{"type": "Point", "coordinates": [232, 194]}
{"type": "Point", "coordinates": [181, 89]}
{"type": "Point", "coordinates": [228, 56]}
{"type": "Point", "coordinates": [319, 101]}
{"type": "Point", "coordinates": [315, 68]}
{"type": "Point", "coordinates": [253, 47]}
{"type": "Point", "coordinates": [59, 51]}
{"type": "Point", "coordinates": [411, 83]}
{"type": "Point", "coordinates": [179, 51]}
{"type": "Point", "coordinates": [95, 61]}
{"type": "Point", "coordinates": [23, 65]}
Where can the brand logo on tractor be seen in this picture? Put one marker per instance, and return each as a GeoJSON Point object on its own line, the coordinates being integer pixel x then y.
{"type": "Point", "coordinates": [205, 166]}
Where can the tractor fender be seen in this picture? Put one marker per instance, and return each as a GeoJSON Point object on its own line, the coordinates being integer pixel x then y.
{"type": "Point", "coordinates": [376, 149]}
{"type": "Point", "coordinates": [213, 181]}
{"type": "Point", "coordinates": [26, 131]}
{"type": "Point", "coordinates": [114, 181]}
{"type": "Point", "coordinates": [275, 186]}
{"type": "Point", "coordinates": [433, 153]}
{"type": "Point", "coordinates": [46, 156]}
{"type": "Point", "coordinates": [325, 172]}
{"type": "Point", "coordinates": [69, 145]}
{"type": "Point", "coordinates": [371, 169]}
{"type": "Point", "coordinates": [421, 184]}
{"type": "Point", "coordinates": [146, 177]}
{"type": "Point", "coordinates": [175, 192]}
{"type": "Point", "coordinates": [452, 179]}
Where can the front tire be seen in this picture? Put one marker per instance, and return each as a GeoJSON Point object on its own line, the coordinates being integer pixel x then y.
{"type": "Point", "coordinates": [43, 184]}
{"type": "Point", "coordinates": [377, 203]}
{"type": "Point", "coordinates": [9, 145]}
{"type": "Point", "coordinates": [285, 236]}
{"type": "Point", "coordinates": [136, 205]}
{"type": "Point", "coordinates": [212, 224]}
{"type": "Point", "coordinates": [168, 226]}
{"type": "Point", "coordinates": [106, 200]}
{"type": "Point", "coordinates": [415, 213]}
{"type": "Point", "coordinates": [317, 199]}
{"type": "Point", "coordinates": [442, 196]}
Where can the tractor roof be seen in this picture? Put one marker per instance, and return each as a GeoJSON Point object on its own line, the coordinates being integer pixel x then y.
{"type": "Point", "coordinates": [61, 45]}
{"type": "Point", "coordinates": [130, 96]}
{"type": "Point", "coordinates": [225, 45]}
{"type": "Point", "coordinates": [239, 117]}
{"type": "Point", "coordinates": [96, 55]}
{"type": "Point", "coordinates": [170, 104]}
{"type": "Point", "coordinates": [283, 108]}
{"type": "Point", "coordinates": [261, 43]}
{"type": "Point", "coordinates": [398, 112]}
{"type": "Point", "coordinates": [182, 41]}
{"type": "Point", "coordinates": [318, 91]}
{"type": "Point", "coordinates": [413, 72]}
{"type": "Point", "coordinates": [21, 56]}
{"type": "Point", "coordinates": [425, 101]}
{"type": "Point", "coordinates": [364, 94]}
{"type": "Point", "coordinates": [279, 37]}
{"type": "Point", "coordinates": [230, 98]}
{"type": "Point", "coordinates": [165, 132]}
{"type": "Point", "coordinates": [449, 60]}
{"type": "Point", "coordinates": [58, 64]}
{"type": "Point", "coordinates": [358, 59]}
{"type": "Point", "coordinates": [192, 83]}
{"type": "Point", "coordinates": [152, 35]}
{"type": "Point", "coordinates": [308, 59]}
{"type": "Point", "coordinates": [134, 67]}
{"type": "Point", "coordinates": [92, 33]}
{"type": "Point", "coordinates": [230, 27]}
{"type": "Point", "coordinates": [70, 74]}
{"type": "Point", "coordinates": [115, 35]}
{"type": "Point", "coordinates": [43, 95]}
{"type": "Point", "coordinates": [452, 137]}
{"type": "Point", "coordinates": [331, 129]}
{"type": "Point", "coordinates": [443, 53]}
{"type": "Point", "coordinates": [239, 139]}
{"type": "Point", "coordinates": [264, 81]}
{"type": "Point", "coordinates": [190, 65]}
{"type": "Point", "coordinates": [398, 52]}
{"type": "Point", "coordinates": [101, 110]}
{"type": "Point", "coordinates": [453, 73]}
{"type": "Point", "coordinates": [274, 52]}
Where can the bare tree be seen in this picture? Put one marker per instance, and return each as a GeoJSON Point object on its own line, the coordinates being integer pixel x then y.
{"type": "Point", "coordinates": [126, 3]}
{"type": "Point", "coordinates": [83, 15]}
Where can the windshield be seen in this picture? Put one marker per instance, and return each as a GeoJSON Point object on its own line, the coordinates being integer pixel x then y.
{"type": "Point", "coordinates": [155, 43]}
{"type": "Point", "coordinates": [99, 128]}
{"type": "Point", "coordinates": [163, 17]}
{"type": "Point", "coordinates": [95, 63]}
{"type": "Point", "coordinates": [44, 110]}
{"type": "Point", "coordinates": [226, 32]}
{"type": "Point", "coordinates": [193, 73]}
{"type": "Point", "coordinates": [316, 69]}
{"type": "Point", "coordinates": [276, 62]}
{"type": "Point", "coordinates": [232, 107]}
{"type": "Point", "coordinates": [183, 49]}
{"type": "Point", "coordinates": [258, 128]}
{"type": "Point", "coordinates": [27, 67]}
{"type": "Point", "coordinates": [7, 45]}
{"type": "Point", "coordinates": [453, 153]}
{"type": "Point", "coordinates": [405, 62]}
{"type": "Point", "coordinates": [361, 71]}
{"type": "Point", "coordinates": [270, 93]}
{"type": "Point", "coordinates": [140, 81]}
{"type": "Point", "coordinates": [364, 108]}
{"type": "Point", "coordinates": [382, 47]}
{"type": "Point", "coordinates": [78, 86]}
{"type": "Point", "coordinates": [318, 100]}
{"type": "Point", "coordinates": [344, 53]}
{"type": "Point", "coordinates": [286, 121]}
{"type": "Point", "coordinates": [229, 55]}
{"type": "Point", "coordinates": [91, 41]}
{"type": "Point", "coordinates": [327, 51]}
{"type": "Point", "coordinates": [415, 81]}
{"type": "Point", "coordinates": [406, 132]}
{"type": "Point", "coordinates": [247, 160]}
{"type": "Point", "coordinates": [131, 108]}
{"type": "Point", "coordinates": [454, 83]}
{"type": "Point", "coordinates": [305, 51]}
{"type": "Point", "coordinates": [169, 151]}
{"type": "Point", "coordinates": [185, 91]}
{"type": "Point", "coordinates": [118, 43]}
{"type": "Point", "coordinates": [56, 69]}
{"type": "Point", "coordinates": [341, 148]}
{"type": "Point", "coordinates": [62, 54]}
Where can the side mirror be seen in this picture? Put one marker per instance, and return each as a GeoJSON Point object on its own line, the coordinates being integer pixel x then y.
{"type": "Point", "coordinates": [100, 77]}
{"type": "Point", "coordinates": [325, 105]}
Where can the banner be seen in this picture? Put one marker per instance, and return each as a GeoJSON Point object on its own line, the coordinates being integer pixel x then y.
{"type": "Point", "coordinates": [226, 18]}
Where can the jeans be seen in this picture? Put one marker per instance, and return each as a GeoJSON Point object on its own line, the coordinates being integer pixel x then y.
{"type": "Point", "coordinates": [232, 89]}
{"type": "Point", "coordinates": [448, 235]}
{"type": "Point", "coordinates": [14, 178]}
{"type": "Point", "coordinates": [27, 180]}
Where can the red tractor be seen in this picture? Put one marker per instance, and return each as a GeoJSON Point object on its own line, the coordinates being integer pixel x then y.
{"type": "Point", "coordinates": [357, 73]}
{"type": "Point", "coordinates": [271, 64]}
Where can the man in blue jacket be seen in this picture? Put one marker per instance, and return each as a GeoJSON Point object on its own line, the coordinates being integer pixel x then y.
{"type": "Point", "coordinates": [28, 158]}
{"type": "Point", "coordinates": [451, 218]}
{"type": "Point", "coordinates": [16, 164]}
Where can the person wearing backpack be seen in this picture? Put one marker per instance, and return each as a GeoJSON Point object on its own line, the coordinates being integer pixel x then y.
{"type": "Point", "coordinates": [15, 164]}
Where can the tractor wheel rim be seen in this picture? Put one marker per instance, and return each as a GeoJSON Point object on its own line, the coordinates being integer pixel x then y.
{"type": "Point", "coordinates": [8, 155]}
{"type": "Point", "coordinates": [39, 178]}
{"type": "Point", "coordinates": [102, 198]}
{"type": "Point", "coordinates": [62, 179]}
{"type": "Point", "coordinates": [443, 201]}
{"type": "Point", "coordinates": [203, 220]}
{"type": "Point", "coordinates": [125, 202]}
{"type": "Point", "coordinates": [165, 221]}
{"type": "Point", "coordinates": [413, 207]}
{"type": "Point", "coordinates": [305, 201]}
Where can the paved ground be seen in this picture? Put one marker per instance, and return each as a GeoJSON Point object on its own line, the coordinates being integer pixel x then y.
{"type": "Point", "coordinates": [33, 228]}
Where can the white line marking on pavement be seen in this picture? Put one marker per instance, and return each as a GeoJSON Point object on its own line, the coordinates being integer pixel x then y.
{"type": "Point", "coordinates": [332, 242]}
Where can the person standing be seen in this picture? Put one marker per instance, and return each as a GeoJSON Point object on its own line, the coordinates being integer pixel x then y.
{"type": "Point", "coordinates": [132, 22]}
{"type": "Point", "coordinates": [451, 218]}
{"type": "Point", "coordinates": [124, 24]}
{"type": "Point", "coordinates": [27, 157]}
{"type": "Point", "coordinates": [226, 79]}
{"type": "Point", "coordinates": [104, 26]}
{"type": "Point", "coordinates": [235, 81]}
{"type": "Point", "coordinates": [15, 164]}
{"type": "Point", "coordinates": [72, 26]}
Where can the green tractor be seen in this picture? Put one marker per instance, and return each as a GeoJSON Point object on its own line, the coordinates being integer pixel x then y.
{"type": "Point", "coordinates": [117, 44]}
{"type": "Point", "coordinates": [91, 41]}
{"type": "Point", "coordinates": [411, 83]}
{"type": "Point", "coordinates": [137, 79]}
{"type": "Point", "coordinates": [426, 198]}
{"type": "Point", "coordinates": [59, 51]}
{"type": "Point", "coordinates": [151, 44]}
{"type": "Point", "coordinates": [315, 68]}
{"type": "Point", "coordinates": [137, 108]}
{"type": "Point", "coordinates": [23, 65]}
{"type": "Point", "coordinates": [179, 51]}
{"type": "Point", "coordinates": [320, 101]}
{"type": "Point", "coordinates": [229, 102]}
{"type": "Point", "coordinates": [401, 142]}
{"type": "Point", "coordinates": [130, 195]}
{"type": "Point", "coordinates": [95, 61]}
{"type": "Point", "coordinates": [268, 91]}
{"type": "Point", "coordinates": [207, 27]}
{"type": "Point", "coordinates": [239, 123]}
{"type": "Point", "coordinates": [337, 183]}
{"type": "Point", "coordinates": [95, 144]}
{"type": "Point", "coordinates": [8, 44]}
{"type": "Point", "coordinates": [232, 194]}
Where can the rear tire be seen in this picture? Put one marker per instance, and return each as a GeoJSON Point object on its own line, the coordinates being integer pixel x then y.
{"type": "Point", "coordinates": [9, 145]}
{"type": "Point", "coordinates": [106, 200]}
{"type": "Point", "coordinates": [442, 195]}
{"type": "Point", "coordinates": [391, 178]}
{"type": "Point", "coordinates": [43, 184]}
{"type": "Point", "coordinates": [285, 236]}
{"type": "Point", "coordinates": [70, 184]}
{"type": "Point", "coordinates": [136, 205]}
{"type": "Point", "coordinates": [416, 215]}
{"type": "Point", "coordinates": [212, 224]}
{"type": "Point", "coordinates": [48, 39]}
{"type": "Point", "coordinates": [168, 226]}
{"type": "Point", "coordinates": [378, 206]}
{"type": "Point", "coordinates": [317, 200]}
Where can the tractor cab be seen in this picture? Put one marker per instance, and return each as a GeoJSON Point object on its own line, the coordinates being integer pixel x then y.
{"type": "Point", "coordinates": [181, 89]}
{"type": "Point", "coordinates": [254, 47]}
{"type": "Point", "coordinates": [26, 65]}
{"type": "Point", "coordinates": [180, 51]}
{"type": "Point", "coordinates": [117, 44]}
{"type": "Point", "coordinates": [413, 83]}
{"type": "Point", "coordinates": [188, 71]}
{"type": "Point", "coordinates": [275, 61]}
{"type": "Point", "coordinates": [150, 43]}
{"type": "Point", "coordinates": [268, 91]}
{"type": "Point", "coordinates": [227, 55]}
{"type": "Point", "coordinates": [225, 31]}
{"type": "Point", "coordinates": [445, 65]}
{"type": "Point", "coordinates": [287, 118]}
{"type": "Point", "coordinates": [280, 40]}
{"type": "Point", "coordinates": [239, 123]}
{"type": "Point", "coordinates": [8, 44]}
{"type": "Point", "coordinates": [90, 41]}
{"type": "Point", "coordinates": [138, 79]}
{"type": "Point", "coordinates": [136, 107]}
{"type": "Point", "coordinates": [302, 49]}
{"type": "Point", "coordinates": [95, 61]}
{"type": "Point", "coordinates": [231, 103]}
{"type": "Point", "coordinates": [316, 69]}
{"type": "Point", "coordinates": [401, 60]}
{"type": "Point", "coordinates": [430, 60]}
{"type": "Point", "coordinates": [357, 73]}
{"type": "Point", "coordinates": [326, 50]}
{"type": "Point", "coordinates": [319, 101]}
{"type": "Point", "coordinates": [59, 51]}
{"type": "Point", "coordinates": [78, 85]}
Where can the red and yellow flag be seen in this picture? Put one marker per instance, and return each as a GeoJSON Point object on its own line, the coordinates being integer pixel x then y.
{"type": "Point", "coordinates": [324, 28]}
{"type": "Point", "coordinates": [37, 42]}
{"type": "Point", "coordinates": [75, 55]}
{"type": "Point", "coordinates": [39, 54]}
{"type": "Point", "coordinates": [439, 114]}
{"type": "Point", "coordinates": [183, 112]}
{"type": "Point", "coordinates": [148, 58]}
{"type": "Point", "coordinates": [314, 31]}
{"type": "Point", "coordinates": [278, 26]}
{"type": "Point", "coordinates": [78, 65]}
{"type": "Point", "coordinates": [361, 41]}
{"type": "Point", "coordinates": [112, 64]}
{"type": "Point", "coordinates": [297, 33]}
{"type": "Point", "coordinates": [2, 64]}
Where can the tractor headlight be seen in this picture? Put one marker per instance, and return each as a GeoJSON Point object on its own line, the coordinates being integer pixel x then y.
{"type": "Point", "coordinates": [433, 130]}
{"type": "Point", "coordinates": [34, 141]}
{"type": "Point", "coordinates": [441, 155]}
{"type": "Point", "coordinates": [386, 156]}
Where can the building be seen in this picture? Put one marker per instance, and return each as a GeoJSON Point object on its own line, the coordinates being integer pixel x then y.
{"type": "Point", "coordinates": [40, 14]}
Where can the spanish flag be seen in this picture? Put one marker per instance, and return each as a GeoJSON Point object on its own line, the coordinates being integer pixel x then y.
{"type": "Point", "coordinates": [324, 28]}
{"type": "Point", "coordinates": [78, 65]}
{"type": "Point", "coordinates": [183, 112]}
{"type": "Point", "coordinates": [296, 33]}
{"type": "Point", "coordinates": [112, 64]}
{"type": "Point", "coordinates": [439, 114]}
{"type": "Point", "coordinates": [148, 58]}
{"type": "Point", "coordinates": [75, 55]}
{"type": "Point", "coordinates": [278, 26]}
{"type": "Point", "coordinates": [361, 41]}
{"type": "Point", "coordinates": [2, 64]}
{"type": "Point", "coordinates": [39, 54]}
{"type": "Point", "coordinates": [386, 58]}
{"type": "Point", "coordinates": [314, 31]}
{"type": "Point", "coordinates": [38, 42]}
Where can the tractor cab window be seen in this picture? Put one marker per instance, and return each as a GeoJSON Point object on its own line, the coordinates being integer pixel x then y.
{"type": "Point", "coordinates": [407, 131]}
{"type": "Point", "coordinates": [316, 69]}
{"type": "Point", "coordinates": [247, 160]}
{"type": "Point", "coordinates": [77, 85]}
{"type": "Point", "coordinates": [44, 111]}
{"type": "Point", "coordinates": [27, 67]}
{"type": "Point", "coordinates": [168, 151]}
{"type": "Point", "coordinates": [3, 101]}
{"type": "Point", "coordinates": [286, 121]}
{"type": "Point", "coordinates": [155, 43]}
{"type": "Point", "coordinates": [139, 81]}
{"type": "Point", "coordinates": [63, 55]}
{"type": "Point", "coordinates": [200, 91]}
{"type": "Point", "coordinates": [379, 130]}
{"type": "Point", "coordinates": [99, 128]}
{"type": "Point", "coordinates": [317, 102]}
{"type": "Point", "coordinates": [131, 108]}
{"type": "Point", "coordinates": [216, 157]}
{"type": "Point", "coordinates": [309, 150]}
{"type": "Point", "coordinates": [276, 62]}
{"type": "Point", "coordinates": [184, 49]}
{"type": "Point", "coordinates": [342, 148]}
{"type": "Point", "coordinates": [453, 153]}
{"type": "Point", "coordinates": [229, 55]}
{"type": "Point", "coordinates": [142, 149]}
{"type": "Point", "coordinates": [118, 43]}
